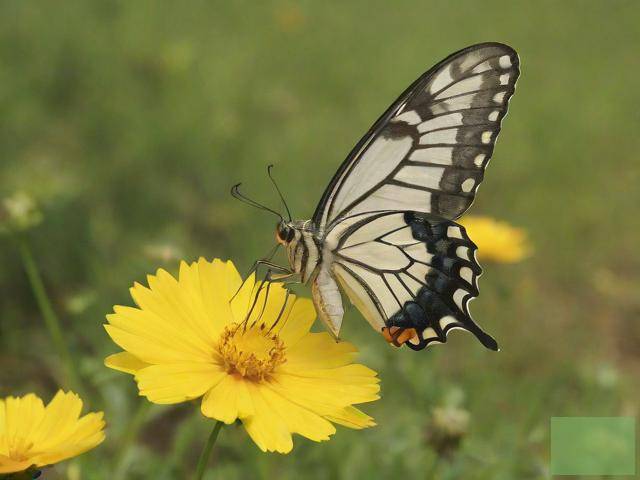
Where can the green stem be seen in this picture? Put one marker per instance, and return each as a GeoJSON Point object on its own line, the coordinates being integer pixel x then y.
{"type": "Point", "coordinates": [432, 473]}
{"type": "Point", "coordinates": [49, 315]}
{"type": "Point", "coordinates": [129, 436]}
{"type": "Point", "coordinates": [206, 451]}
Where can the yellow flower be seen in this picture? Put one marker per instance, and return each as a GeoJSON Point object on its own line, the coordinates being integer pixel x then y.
{"type": "Point", "coordinates": [251, 357]}
{"type": "Point", "coordinates": [497, 241]}
{"type": "Point", "coordinates": [34, 434]}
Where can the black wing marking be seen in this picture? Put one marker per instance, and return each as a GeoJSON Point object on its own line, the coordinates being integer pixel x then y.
{"type": "Point", "coordinates": [428, 151]}
{"type": "Point", "coordinates": [412, 271]}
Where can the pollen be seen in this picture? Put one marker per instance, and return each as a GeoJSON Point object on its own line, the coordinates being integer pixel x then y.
{"type": "Point", "coordinates": [251, 351]}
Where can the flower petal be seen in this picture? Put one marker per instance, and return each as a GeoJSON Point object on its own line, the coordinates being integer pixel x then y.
{"type": "Point", "coordinates": [228, 400]}
{"type": "Point", "coordinates": [149, 348]}
{"type": "Point", "coordinates": [298, 322]}
{"type": "Point", "coordinates": [328, 389]}
{"type": "Point", "coordinates": [319, 350]}
{"type": "Point", "coordinates": [59, 421]}
{"type": "Point", "coordinates": [178, 382]}
{"type": "Point", "coordinates": [125, 362]}
{"type": "Point", "coordinates": [296, 418]}
{"type": "Point", "coordinates": [7, 465]}
{"type": "Point", "coordinates": [266, 428]}
{"type": "Point", "coordinates": [351, 417]}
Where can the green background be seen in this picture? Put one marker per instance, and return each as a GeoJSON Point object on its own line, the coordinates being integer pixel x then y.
{"type": "Point", "coordinates": [129, 121]}
{"type": "Point", "coordinates": [593, 445]}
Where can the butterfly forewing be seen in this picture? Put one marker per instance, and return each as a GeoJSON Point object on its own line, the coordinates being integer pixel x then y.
{"type": "Point", "coordinates": [428, 152]}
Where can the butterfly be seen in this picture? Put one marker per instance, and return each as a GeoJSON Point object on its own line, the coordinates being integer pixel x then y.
{"type": "Point", "coordinates": [384, 230]}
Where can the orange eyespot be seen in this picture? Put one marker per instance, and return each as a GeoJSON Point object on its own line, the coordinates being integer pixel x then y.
{"type": "Point", "coordinates": [396, 336]}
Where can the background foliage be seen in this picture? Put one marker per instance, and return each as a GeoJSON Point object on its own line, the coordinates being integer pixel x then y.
{"type": "Point", "coordinates": [129, 121]}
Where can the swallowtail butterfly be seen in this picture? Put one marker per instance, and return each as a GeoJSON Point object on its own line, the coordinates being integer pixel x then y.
{"type": "Point", "coordinates": [384, 230]}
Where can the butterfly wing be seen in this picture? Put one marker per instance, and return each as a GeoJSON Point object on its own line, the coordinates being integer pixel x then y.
{"type": "Point", "coordinates": [428, 151]}
{"type": "Point", "coordinates": [409, 271]}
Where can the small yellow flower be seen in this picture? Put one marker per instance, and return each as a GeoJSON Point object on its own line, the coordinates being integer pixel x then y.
{"type": "Point", "coordinates": [250, 359]}
{"type": "Point", "coordinates": [34, 434]}
{"type": "Point", "coordinates": [497, 241]}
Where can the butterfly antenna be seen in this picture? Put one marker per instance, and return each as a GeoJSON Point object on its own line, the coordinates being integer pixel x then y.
{"type": "Point", "coordinates": [235, 193]}
{"type": "Point", "coordinates": [273, 180]}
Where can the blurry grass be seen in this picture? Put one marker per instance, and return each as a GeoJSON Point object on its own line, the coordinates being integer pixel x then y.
{"type": "Point", "coordinates": [129, 123]}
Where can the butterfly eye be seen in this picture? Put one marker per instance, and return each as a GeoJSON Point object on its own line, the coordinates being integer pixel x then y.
{"type": "Point", "coordinates": [290, 234]}
{"type": "Point", "coordinates": [284, 234]}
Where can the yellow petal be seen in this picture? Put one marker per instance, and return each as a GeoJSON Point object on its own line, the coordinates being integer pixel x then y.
{"type": "Point", "coordinates": [497, 241]}
{"type": "Point", "coordinates": [351, 417]}
{"type": "Point", "coordinates": [7, 465]}
{"type": "Point", "coordinates": [39, 435]}
{"type": "Point", "coordinates": [125, 362]}
{"type": "Point", "coordinates": [178, 382]}
{"type": "Point", "coordinates": [319, 350]}
{"type": "Point", "coordinates": [276, 418]}
{"type": "Point", "coordinates": [298, 322]}
{"type": "Point", "coordinates": [87, 434]}
{"type": "Point", "coordinates": [228, 400]}
{"type": "Point", "coordinates": [151, 350]}
{"type": "Point", "coordinates": [61, 415]}
{"type": "Point", "coordinates": [337, 387]}
{"type": "Point", "coordinates": [266, 428]}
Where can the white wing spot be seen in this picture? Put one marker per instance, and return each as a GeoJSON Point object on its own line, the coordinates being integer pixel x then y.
{"type": "Point", "coordinates": [505, 61]}
{"type": "Point", "coordinates": [479, 159]}
{"type": "Point", "coordinates": [499, 97]}
{"type": "Point", "coordinates": [504, 79]}
{"type": "Point", "coordinates": [486, 137]}
{"type": "Point", "coordinates": [463, 252]}
{"type": "Point", "coordinates": [442, 79]}
{"type": "Point", "coordinates": [446, 321]}
{"type": "Point", "coordinates": [447, 136]}
{"type": "Point", "coordinates": [468, 184]}
{"type": "Point", "coordinates": [493, 116]}
{"type": "Point", "coordinates": [458, 297]}
{"type": "Point", "coordinates": [443, 121]}
{"type": "Point", "coordinates": [428, 333]}
{"type": "Point", "coordinates": [439, 155]}
{"type": "Point", "coordinates": [482, 67]}
{"type": "Point", "coordinates": [410, 117]}
{"type": "Point", "coordinates": [467, 274]}
{"type": "Point", "coordinates": [421, 175]}
{"type": "Point", "coordinates": [454, 232]}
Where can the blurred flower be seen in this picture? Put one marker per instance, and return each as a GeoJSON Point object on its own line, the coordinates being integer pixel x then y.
{"type": "Point", "coordinates": [446, 429]}
{"type": "Point", "coordinates": [32, 434]}
{"type": "Point", "coordinates": [164, 253]}
{"type": "Point", "coordinates": [290, 18]}
{"type": "Point", "coordinates": [497, 241]}
{"type": "Point", "coordinates": [249, 354]}
{"type": "Point", "coordinates": [79, 302]}
{"type": "Point", "coordinates": [18, 213]}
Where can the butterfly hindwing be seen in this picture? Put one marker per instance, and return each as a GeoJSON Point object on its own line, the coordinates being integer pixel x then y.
{"type": "Point", "coordinates": [428, 151]}
{"type": "Point", "coordinates": [409, 270]}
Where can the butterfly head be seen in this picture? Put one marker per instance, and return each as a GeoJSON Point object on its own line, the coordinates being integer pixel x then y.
{"type": "Point", "coordinates": [284, 232]}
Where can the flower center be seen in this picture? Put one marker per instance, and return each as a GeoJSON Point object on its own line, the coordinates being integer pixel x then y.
{"type": "Point", "coordinates": [251, 351]}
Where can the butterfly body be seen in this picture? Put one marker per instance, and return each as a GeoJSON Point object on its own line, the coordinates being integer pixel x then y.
{"type": "Point", "coordinates": [385, 231]}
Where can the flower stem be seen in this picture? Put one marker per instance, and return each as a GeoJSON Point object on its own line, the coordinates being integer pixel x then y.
{"type": "Point", "coordinates": [48, 314]}
{"type": "Point", "coordinates": [128, 438]}
{"type": "Point", "coordinates": [206, 451]}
